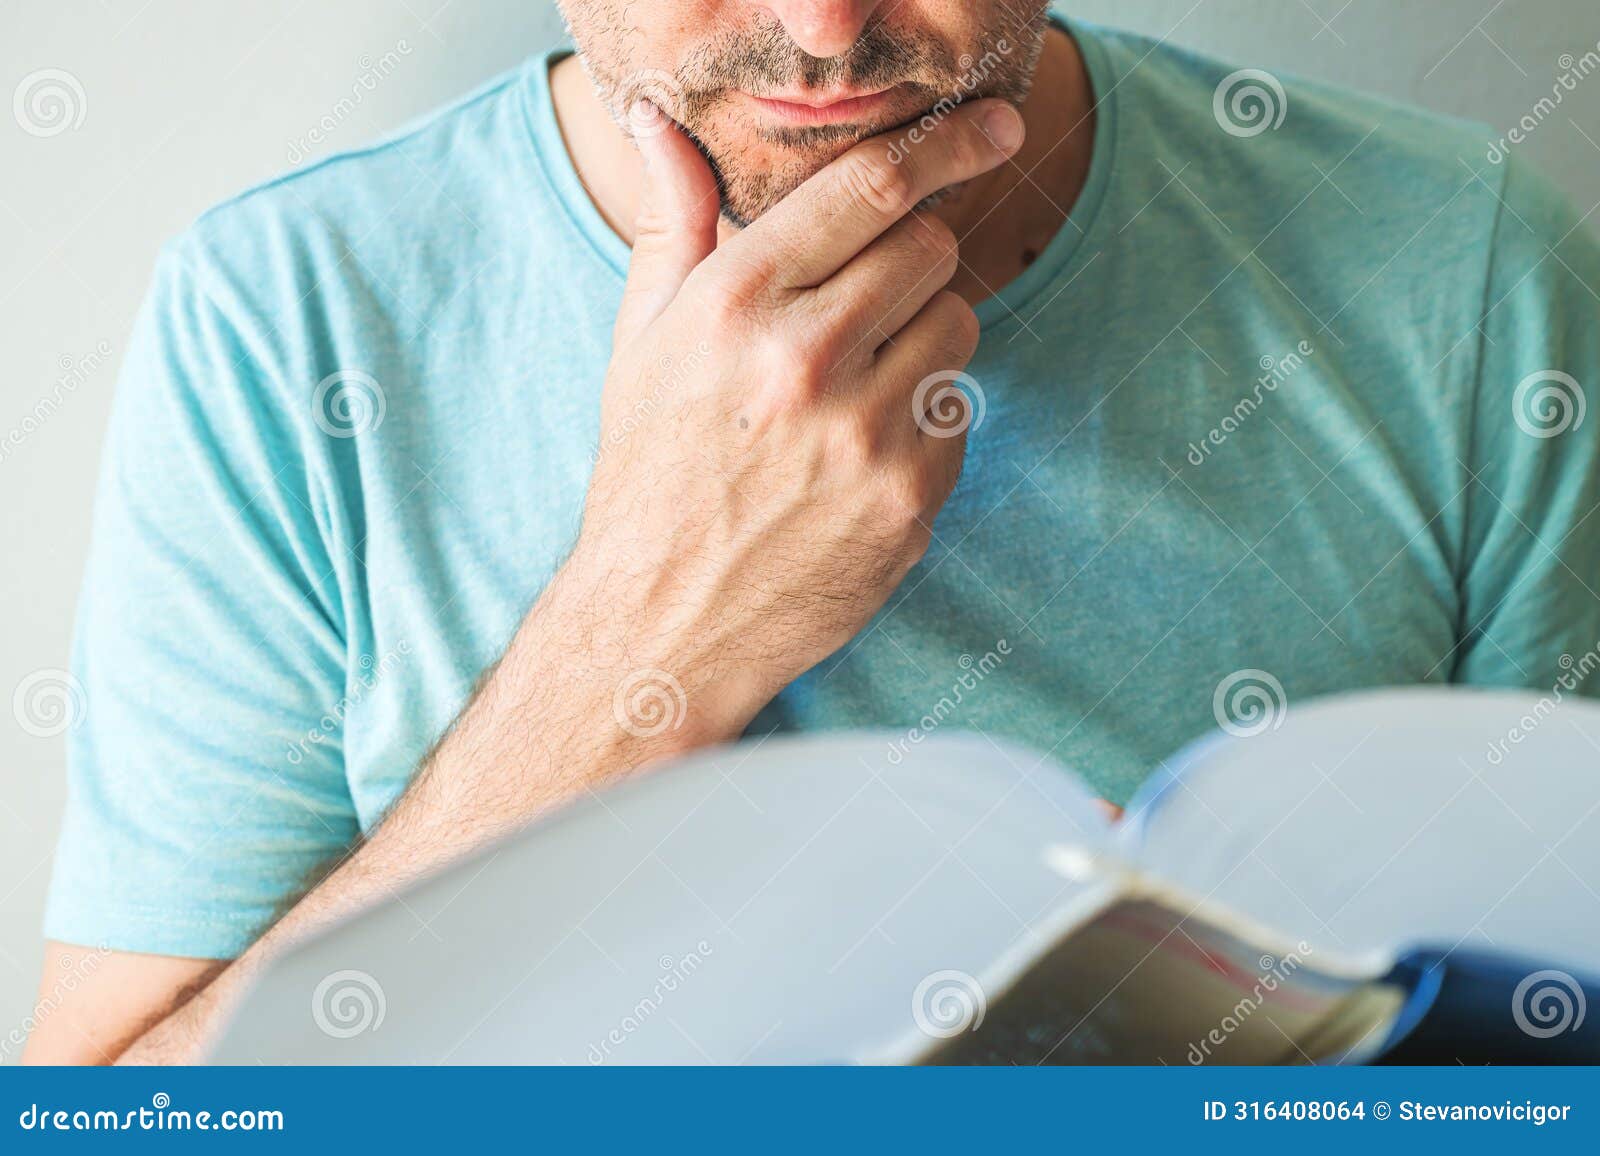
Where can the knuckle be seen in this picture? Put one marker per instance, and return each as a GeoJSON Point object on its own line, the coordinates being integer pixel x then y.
{"type": "Point", "coordinates": [906, 502]}
{"type": "Point", "coordinates": [826, 328]}
{"type": "Point", "coordinates": [960, 327]}
{"type": "Point", "coordinates": [873, 180]}
{"type": "Point", "coordinates": [830, 350]}
{"type": "Point", "coordinates": [723, 302]}
{"type": "Point", "coordinates": [937, 239]}
{"type": "Point", "coordinates": [907, 498]}
{"type": "Point", "coordinates": [859, 439]}
{"type": "Point", "coordinates": [751, 271]}
{"type": "Point", "coordinates": [654, 226]}
{"type": "Point", "coordinates": [793, 372]}
{"type": "Point", "coordinates": [966, 324]}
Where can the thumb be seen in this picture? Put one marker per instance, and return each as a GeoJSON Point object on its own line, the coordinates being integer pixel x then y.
{"type": "Point", "coordinates": [676, 228]}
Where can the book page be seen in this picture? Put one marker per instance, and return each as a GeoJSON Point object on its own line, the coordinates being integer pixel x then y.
{"type": "Point", "coordinates": [1375, 823]}
{"type": "Point", "coordinates": [1149, 982]}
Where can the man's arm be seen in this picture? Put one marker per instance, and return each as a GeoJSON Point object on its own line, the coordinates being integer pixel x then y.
{"type": "Point", "coordinates": [93, 1004]}
{"type": "Point", "coordinates": [766, 511]}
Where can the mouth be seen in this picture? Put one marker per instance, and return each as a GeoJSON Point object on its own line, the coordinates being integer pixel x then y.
{"type": "Point", "coordinates": [811, 108]}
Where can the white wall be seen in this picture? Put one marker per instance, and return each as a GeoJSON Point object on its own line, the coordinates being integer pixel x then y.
{"type": "Point", "coordinates": [186, 101]}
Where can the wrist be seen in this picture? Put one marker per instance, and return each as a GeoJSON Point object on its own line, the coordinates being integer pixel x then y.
{"type": "Point", "coordinates": [673, 668]}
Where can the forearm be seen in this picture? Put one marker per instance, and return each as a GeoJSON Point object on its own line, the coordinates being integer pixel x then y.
{"type": "Point", "coordinates": [782, 491]}
{"type": "Point", "coordinates": [547, 725]}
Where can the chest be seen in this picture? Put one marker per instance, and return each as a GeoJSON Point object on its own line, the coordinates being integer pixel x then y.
{"type": "Point", "coordinates": [1128, 535]}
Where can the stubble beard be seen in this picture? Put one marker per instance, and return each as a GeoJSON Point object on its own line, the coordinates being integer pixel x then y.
{"type": "Point", "coordinates": [700, 97]}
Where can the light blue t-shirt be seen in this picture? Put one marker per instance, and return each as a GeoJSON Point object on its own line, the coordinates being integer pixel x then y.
{"type": "Point", "coordinates": [1285, 409]}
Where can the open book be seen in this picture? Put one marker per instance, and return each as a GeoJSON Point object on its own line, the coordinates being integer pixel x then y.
{"type": "Point", "coordinates": [1409, 874]}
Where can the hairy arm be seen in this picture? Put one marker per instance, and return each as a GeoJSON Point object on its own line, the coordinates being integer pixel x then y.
{"type": "Point", "coordinates": [785, 487]}
{"type": "Point", "coordinates": [541, 730]}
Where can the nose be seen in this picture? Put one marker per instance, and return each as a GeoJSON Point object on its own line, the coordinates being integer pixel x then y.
{"type": "Point", "coordinates": [823, 28]}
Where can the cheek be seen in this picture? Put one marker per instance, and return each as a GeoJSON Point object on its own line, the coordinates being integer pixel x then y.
{"type": "Point", "coordinates": [957, 26]}
{"type": "Point", "coordinates": [620, 41]}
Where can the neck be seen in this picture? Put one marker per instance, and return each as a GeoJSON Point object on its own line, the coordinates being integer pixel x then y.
{"type": "Point", "coordinates": [1038, 187]}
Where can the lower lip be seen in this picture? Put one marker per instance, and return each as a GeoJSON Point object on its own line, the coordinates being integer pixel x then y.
{"type": "Point", "coordinates": [850, 109]}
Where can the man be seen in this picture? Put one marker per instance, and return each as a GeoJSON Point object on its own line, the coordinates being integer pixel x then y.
{"type": "Point", "coordinates": [1247, 385]}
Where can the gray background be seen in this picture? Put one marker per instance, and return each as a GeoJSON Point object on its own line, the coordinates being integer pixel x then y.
{"type": "Point", "coordinates": [187, 101]}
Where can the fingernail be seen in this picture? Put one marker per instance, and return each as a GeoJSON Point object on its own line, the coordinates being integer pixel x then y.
{"type": "Point", "coordinates": [1003, 126]}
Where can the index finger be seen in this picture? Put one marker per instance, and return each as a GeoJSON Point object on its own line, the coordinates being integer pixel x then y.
{"type": "Point", "coordinates": [814, 231]}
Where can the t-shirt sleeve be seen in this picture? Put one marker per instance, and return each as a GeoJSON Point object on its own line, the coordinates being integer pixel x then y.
{"type": "Point", "coordinates": [208, 645]}
{"type": "Point", "coordinates": [1531, 557]}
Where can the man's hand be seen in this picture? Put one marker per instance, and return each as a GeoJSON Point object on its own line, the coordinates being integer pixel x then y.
{"type": "Point", "coordinates": [766, 474]}
{"type": "Point", "coordinates": [761, 488]}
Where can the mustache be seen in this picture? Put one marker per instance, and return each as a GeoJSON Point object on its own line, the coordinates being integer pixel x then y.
{"type": "Point", "coordinates": [766, 59]}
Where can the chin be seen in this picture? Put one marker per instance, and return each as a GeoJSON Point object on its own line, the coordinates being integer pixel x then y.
{"type": "Point", "coordinates": [758, 166]}
{"type": "Point", "coordinates": [759, 175]}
